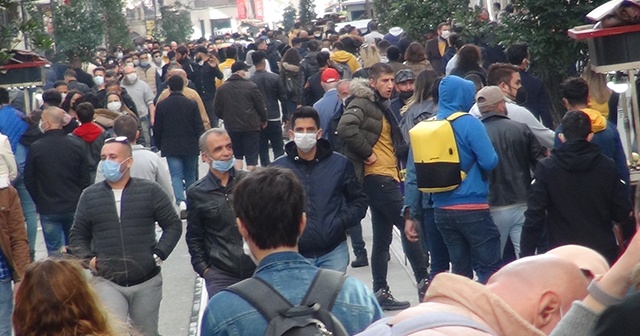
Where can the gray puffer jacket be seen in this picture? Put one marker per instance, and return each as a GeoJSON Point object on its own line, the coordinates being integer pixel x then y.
{"type": "Point", "coordinates": [125, 246]}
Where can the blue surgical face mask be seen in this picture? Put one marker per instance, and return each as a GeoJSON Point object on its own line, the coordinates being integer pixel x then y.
{"type": "Point", "coordinates": [222, 166]}
{"type": "Point", "coordinates": [111, 170]}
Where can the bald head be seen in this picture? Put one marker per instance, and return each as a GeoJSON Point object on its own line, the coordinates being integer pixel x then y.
{"type": "Point", "coordinates": [128, 69]}
{"type": "Point", "coordinates": [539, 288]}
{"type": "Point", "coordinates": [589, 261]}
{"type": "Point", "coordinates": [52, 118]}
{"type": "Point", "coordinates": [179, 72]}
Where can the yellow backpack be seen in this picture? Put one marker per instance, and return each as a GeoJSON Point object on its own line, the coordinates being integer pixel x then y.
{"type": "Point", "coordinates": [435, 153]}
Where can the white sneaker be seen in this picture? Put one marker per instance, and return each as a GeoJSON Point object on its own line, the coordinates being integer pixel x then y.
{"type": "Point", "coordinates": [183, 210]}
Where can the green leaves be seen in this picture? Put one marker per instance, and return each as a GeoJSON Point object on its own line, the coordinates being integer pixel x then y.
{"type": "Point", "coordinates": [418, 17]}
{"type": "Point", "coordinates": [31, 26]}
{"type": "Point", "coordinates": [288, 17]}
{"type": "Point", "coordinates": [307, 11]}
{"type": "Point", "coordinates": [78, 28]}
{"type": "Point", "coordinates": [176, 22]}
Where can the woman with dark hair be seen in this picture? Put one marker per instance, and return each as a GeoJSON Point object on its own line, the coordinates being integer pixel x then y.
{"type": "Point", "coordinates": [114, 107]}
{"type": "Point", "coordinates": [469, 61]}
{"type": "Point", "coordinates": [292, 78]}
{"type": "Point", "coordinates": [415, 58]}
{"type": "Point", "coordinates": [55, 298]}
{"type": "Point", "coordinates": [69, 104]}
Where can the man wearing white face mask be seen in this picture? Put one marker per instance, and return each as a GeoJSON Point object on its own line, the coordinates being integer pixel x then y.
{"type": "Point", "coordinates": [142, 96]}
{"type": "Point", "coordinates": [212, 236]}
{"type": "Point", "coordinates": [437, 46]}
{"type": "Point", "coordinates": [114, 233]}
{"type": "Point", "coordinates": [336, 194]}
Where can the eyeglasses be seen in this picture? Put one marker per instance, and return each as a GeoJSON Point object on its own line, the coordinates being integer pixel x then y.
{"type": "Point", "coordinates": [118, 139]}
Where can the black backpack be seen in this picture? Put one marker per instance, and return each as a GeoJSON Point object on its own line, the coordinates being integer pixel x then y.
{"type": "Point", "coordinates": [310, 318]}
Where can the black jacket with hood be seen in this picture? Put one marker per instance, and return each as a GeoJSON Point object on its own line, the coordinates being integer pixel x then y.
{"type": "Point", "coordinates": [578, 194]}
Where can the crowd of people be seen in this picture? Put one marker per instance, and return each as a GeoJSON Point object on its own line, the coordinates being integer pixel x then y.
{"type": "Point", "coordinates": [523, 246]}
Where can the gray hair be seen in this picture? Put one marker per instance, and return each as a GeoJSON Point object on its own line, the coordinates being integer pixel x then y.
{"type": "Point", "coordinates": [202, 142]}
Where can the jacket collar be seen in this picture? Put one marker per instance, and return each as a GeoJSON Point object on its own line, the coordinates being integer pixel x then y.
{"type": "Point", "coordinates": [490, 115]}
{"type": "Point", "coordinates": [323, 151]}
{"type": "Point", "coordinates": [55, 132]}
{"type": "Point", "coordinates": [211, 182]}
{"type": "Point", "coordinates": [274, 259]}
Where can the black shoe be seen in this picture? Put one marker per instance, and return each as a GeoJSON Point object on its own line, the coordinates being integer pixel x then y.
{"type": "Point", "coordinates": [361, 260]}
{"type": "Point", "coordinates": [388, 302]}
{"type": "Point", "coordinates": [423, 285]}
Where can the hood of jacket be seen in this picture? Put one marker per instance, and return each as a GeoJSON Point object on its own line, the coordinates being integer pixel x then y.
{"type": "Point", "coordinates": [576, 155]}
{"type": "Point", "coordinates": [341, 56]}
{"type": "Point", "coordinates": [458, 295]}
{"type": "Point", "coordinates": [310, 58]}
{"type": "Point", "coordinates": [456, 95]}
{"type": "Point", "coordinates": [323, 151]}
{"type": "Point", "coordinates": [359, 88]}
{"type": "Point", "coordinates": [290, 67]}
{"type": "Point", "coordinates": [598, 122]}
{"type": "Point", "coordinates": [89, 132]}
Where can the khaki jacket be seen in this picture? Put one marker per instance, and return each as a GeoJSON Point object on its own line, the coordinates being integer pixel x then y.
{"type": "Point", "coordinates": [13, 234]}
{"type": "Point", "coordinates": [193, 95]}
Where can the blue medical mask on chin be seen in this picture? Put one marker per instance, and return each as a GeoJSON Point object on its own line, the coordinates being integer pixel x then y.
{"type": "Point", "coordinates": [222, 166]}
{"type": "Point", "coordinates": [111, 170]}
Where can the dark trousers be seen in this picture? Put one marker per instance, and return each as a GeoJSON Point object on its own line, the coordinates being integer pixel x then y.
{"type": "Point", "coordinates": [357, 243]}
{"type": "Point", "coordinates": [385, 202]}
{"type": "Point", "coordinates": [213, 118]}
{"type": "Point", "coordinates": [432, 241]}
{"type": "Point", "coordinates": [272, 134]}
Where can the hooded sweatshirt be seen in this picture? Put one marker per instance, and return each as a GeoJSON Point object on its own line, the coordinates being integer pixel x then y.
{"type": "Point", "coordinates": [576, 195]}
{"type": "Point", "coordinates": [454, 294]}
{"type": "Point", "coordinates": [607, 137]}
{"type": "Point", "coordinates": [342, 56]}
{"type": "Point", "coordinates": [88, 132]}
{"type": "Point", "coordinates": [474, 146]}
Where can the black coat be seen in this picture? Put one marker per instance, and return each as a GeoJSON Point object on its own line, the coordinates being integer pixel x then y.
{"type": "Point", "coordinates": [272, 91]}
{"type": "Point", "coordinates": [56, 172]}
{"type": "Point", "coordinates": [577, 193]}
{"type": "Point", "coordinates": [518, 153]}
{"type": "Point", "coordinates": [240, 104]}
{"type": "Point", "coordinates": [433, 55]}
{"type": "Point", "coordinates": [124, 247]}
{"type": "Point", "coordinates": [206, 81]}
{"type": "Point", "coordinates": [313, 90]}
{"type": "Point", "coordinates": [178, 126]}
{"type": "Point", "coordinates": [212, 235]}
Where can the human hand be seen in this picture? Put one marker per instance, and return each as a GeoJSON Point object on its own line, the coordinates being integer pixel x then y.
{"type": "Point", "coordinates": [371, 159]}
{"type": "Point", "coordinates": [93, 264]}
{"type": "Point", "coordinates": [411, 231]}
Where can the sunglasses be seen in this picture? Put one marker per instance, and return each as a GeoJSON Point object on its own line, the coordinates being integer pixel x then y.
{"type": "Point", "coordinates": [118, 139]}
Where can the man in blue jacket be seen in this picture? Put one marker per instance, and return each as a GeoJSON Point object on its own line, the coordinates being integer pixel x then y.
{"type": "Point", "coordinates": [336, 201]}
{"type": "Point", "coordinates": [462, 215]}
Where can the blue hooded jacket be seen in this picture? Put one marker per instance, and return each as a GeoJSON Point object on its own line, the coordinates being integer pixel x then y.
{"type": "Point", "coordinates": [474, 147]}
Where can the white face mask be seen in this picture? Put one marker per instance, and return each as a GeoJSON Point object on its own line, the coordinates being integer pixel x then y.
{"type": "Point", "coordinates": [157, 60]}
{"type": "Point", "coordinates": [165, 53]}
{"type": "Point", "coordinates": [99, 80]}
{"type": "Point", "coordinates": [64, 95]}
{"type": "Point", "coordinates": [114, 106]}
{"type": "Point", "coordinates": [445, 34]}
{"type": "Point", "coordinates": [305, 141]}
{"type": "Point", "coordinates": [132, 77]}
{"type": "Point", "coordinates": [136, 62]}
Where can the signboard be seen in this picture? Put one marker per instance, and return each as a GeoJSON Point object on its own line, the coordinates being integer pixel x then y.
{"type": "Point", "coordinates": [242, 9]}
{"type": "Point", "coordinates": [150, 26]}
{"type": "Point", "coordinates": [259, 9]}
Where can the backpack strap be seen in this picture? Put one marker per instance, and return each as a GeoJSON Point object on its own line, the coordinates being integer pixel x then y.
{"type": "Point", "coordinates": [324, 288]}
{"type": "Point", "coordinates": [451, 119]}
{"type": "Point", "coordinates": [436, 320]}
{"type": "Point", "coordinates": [264, 298]}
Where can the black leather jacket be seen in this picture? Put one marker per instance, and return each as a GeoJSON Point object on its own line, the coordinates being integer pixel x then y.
{"type": "Point", "coordinates": [518, 153]}
{"type": "Point", "coordinates": [212, 235]}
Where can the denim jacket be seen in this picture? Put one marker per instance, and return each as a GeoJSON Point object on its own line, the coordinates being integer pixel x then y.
{"type": "Point", "coordinates": [291, 275]}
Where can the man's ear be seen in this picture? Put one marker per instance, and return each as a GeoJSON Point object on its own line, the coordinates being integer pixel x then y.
{"type": "Point", "coordinates": [548, 311]}
{"type": "Point", "coordinates": [565, 103]}
{"type": "Point", "coordinates": [590, 137]}
{"type": "Point", "coordinates": [562, 138]}
{"type": "Point", "coordinates": [241, 228]}
{"type": "Point", "coordinates": [303, 223]}
{"type": "Point", "coordinates": [320, 134]}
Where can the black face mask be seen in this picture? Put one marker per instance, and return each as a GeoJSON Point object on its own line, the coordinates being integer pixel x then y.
{"type": "Point", "coordinates": [405, 95]}
{"type": "Point", "coordinates": [521, 96]}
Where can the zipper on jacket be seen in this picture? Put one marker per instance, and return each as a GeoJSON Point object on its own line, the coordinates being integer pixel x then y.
{"type": "Point", "coordinates": [124, 255]}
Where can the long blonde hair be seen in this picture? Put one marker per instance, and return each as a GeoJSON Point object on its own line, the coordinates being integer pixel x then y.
{"type": "Point", "coordinates": [55, 299]}
{"type": "Point", "coordinates": [598, 90]}
{"type": "Point", "coordinates": [369, 55]}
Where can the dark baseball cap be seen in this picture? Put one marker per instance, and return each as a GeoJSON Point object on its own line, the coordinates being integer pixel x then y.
{"type": "Point", "coordinates": [239, 65]}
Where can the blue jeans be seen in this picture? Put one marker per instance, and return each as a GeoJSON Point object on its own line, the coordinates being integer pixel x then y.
{"type": "Point", "coordinates": [432, 238]}
{"type": "Point", "coordinates": [472, 239]}
{"type": "Point", "coordinates": [6, 306]}
{"type": "Point", "coordinates": [55, 229]}
{"type": "Point", "coordinates": [385, 202]}
{"type": "Point", "coordinates": [509, 222]}
{"type": "Point", "coordinates": [336, 260]}
{"type": "Point", "coordinates": [30, 215]}
{"type": "Point", "coordinates": [184, 171]}
{"type": "Point", "coordinates": [272, 134]}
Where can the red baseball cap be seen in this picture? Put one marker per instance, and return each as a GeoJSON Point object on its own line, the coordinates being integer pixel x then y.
{"type": "Point", "coordinates": [330, 75]}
